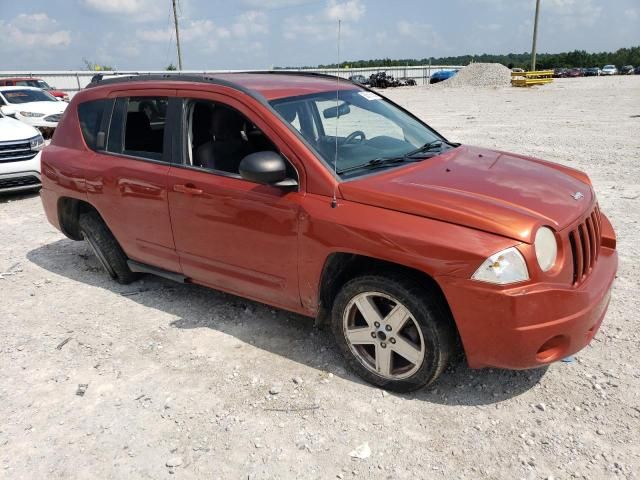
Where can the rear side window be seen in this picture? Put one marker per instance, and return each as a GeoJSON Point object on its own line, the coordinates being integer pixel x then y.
{"type": "Point", "coordinates": [90, 115]}
{"type": "Point", "coordinates": [137, 127]}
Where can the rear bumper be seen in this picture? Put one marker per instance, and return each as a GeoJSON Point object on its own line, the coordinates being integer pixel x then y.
{"type": "Point", "coordinates": [530, 325]}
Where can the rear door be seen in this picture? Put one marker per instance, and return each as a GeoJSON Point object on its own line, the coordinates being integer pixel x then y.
{"type": "Point", "coordinates": [232, 234]}
{"type": "Point", "coordinates": [127, 177]}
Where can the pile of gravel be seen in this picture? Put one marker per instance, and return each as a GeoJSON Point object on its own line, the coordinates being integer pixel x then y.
{"type": "Point", "coordinates": [480, 75]}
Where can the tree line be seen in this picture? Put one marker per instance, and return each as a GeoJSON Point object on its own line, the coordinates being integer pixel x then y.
{"type": "Point", "coordinates": [576, 58]}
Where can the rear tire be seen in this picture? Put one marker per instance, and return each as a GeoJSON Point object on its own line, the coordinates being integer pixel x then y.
{"type": "Point", "coordinates": [404, 339]}
{"type": "Point", "coordinates": [106, 248]}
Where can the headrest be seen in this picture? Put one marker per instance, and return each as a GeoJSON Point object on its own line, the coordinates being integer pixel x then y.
{"type": "Point", "coordinates": [226, 123]}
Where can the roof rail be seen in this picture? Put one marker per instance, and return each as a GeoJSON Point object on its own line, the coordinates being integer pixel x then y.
{"type": "Point", "coordinates": [205, 77]}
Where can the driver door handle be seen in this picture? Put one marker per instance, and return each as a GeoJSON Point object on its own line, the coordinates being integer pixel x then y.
{"type": "Point", "coordinates": [188, 188]}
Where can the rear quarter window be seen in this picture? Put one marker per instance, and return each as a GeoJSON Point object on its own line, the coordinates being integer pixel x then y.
{"type": "Point", "coordinates": [90, 115]}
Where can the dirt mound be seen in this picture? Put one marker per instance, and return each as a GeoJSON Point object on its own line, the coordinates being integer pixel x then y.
{"type": "Point", "coordinates": [487, 75]}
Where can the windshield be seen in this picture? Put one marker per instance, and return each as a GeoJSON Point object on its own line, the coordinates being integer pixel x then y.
{"type": "Point", "coordinates": [26, 96]}
{"type": "Point", "coordinates": [367, 129]}
{"type": "Point", "coordinates": [34, 83]}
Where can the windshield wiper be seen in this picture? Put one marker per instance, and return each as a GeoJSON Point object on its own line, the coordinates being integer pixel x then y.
{"type": "Point", "coordinates": [407, 157]}
{"type": "Point", "coordinates": [377, 163]}
{"type": "Point", "coordinates": [435, 144]}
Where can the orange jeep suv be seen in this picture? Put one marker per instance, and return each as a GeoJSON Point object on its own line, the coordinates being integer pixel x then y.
{"type": "Point", "coordinates": [322, 197]}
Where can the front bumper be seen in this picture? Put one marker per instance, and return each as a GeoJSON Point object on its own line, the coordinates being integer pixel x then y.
{"type": "Point", "coordinates": [530, 325]}
{"type": "Point", "coordinates": [20, 176]}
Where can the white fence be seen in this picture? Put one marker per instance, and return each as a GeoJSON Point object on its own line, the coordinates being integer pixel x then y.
{"type": "Point", "coordinates": [73, 81]}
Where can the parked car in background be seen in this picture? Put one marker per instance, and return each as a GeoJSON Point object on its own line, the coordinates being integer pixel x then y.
{"type": "Point", "coordinates": [382, 80]}
{"type": "Point", "coordinates": [560, 72]}
{"type": "Point", "coordinates": [609, 70]}
{"type": "Point", "coordinates": [33, 106]}
{"type": "Point", "coordinates": [574, 72]}
{"type": "Point", "coordinates": [34, 82]}
{"type": "Point", "coordinates": [626, 70]}
{"type": "Point", "coordinates": [442, 75]}
{"type": "Point", "coordinates": [20, 146]}
{"type": "Point", "coordinates": [406, 82]}
{"type": "Point", "coordinates": [359, 79]}
{"type": "Point", "coordinates": [592, 72]}
{"type": "Point", "coordinates": [636, 70]}
{"type": "Point", "coordinates": [410, 246]}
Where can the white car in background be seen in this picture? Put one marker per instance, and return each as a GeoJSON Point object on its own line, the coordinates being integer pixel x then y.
{"type": "Point", "coordinates": [20, 147]}
{"type": "Point", "coordinates": [609, 70]}
{"type": "Point", "coordinates": [33, 106]}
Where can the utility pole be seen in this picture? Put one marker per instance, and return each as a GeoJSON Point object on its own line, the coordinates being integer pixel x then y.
{"type": "Point", "coordinates": [535, 37]}
{"type": "Point", "coordinates": [175, 21]}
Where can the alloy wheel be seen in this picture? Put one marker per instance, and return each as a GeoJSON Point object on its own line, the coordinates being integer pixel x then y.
{"type": "Point", "coordinates": [383, 335]}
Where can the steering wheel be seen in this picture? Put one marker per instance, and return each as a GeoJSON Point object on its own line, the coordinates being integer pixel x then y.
{"type": "Point", "coordinates": [353, 135]}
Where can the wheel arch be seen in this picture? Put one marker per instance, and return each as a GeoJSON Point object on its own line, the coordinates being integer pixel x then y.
{"type": "Point", "coordinates": [340, 267]}
{"type": "Point", "coordinates": [69, 211]}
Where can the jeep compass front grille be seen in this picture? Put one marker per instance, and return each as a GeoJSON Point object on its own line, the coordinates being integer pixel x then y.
{"type": "Point", "coordinates": [15, 151]}
{"type": "Point", "coordinates": [585, 242]}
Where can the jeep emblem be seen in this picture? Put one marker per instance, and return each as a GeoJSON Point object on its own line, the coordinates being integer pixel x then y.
{"type": "Point", "coordinates": [577, 196]}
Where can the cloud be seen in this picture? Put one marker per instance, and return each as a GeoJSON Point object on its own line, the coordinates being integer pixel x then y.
{"type": "Point", "coordinates": [350, 11]}
{"type": "Point", "coordinates": [632, 13]}
{"type": "Point", "coordinates": [33, 30]}
{"type": "Point", "coordinates": [250, 23]}
{"type": "Point", "coordinates": [209, 35]}
{"type": "Point", "coordinates": [422, 33]}
{"type": "Point", "coordinates": [571, 13]}
{"type": "Point", "coordinates": [274, 4]}
{"type": "Point", "coordinates": [134, 10]}
{"type": "Point", "coordinates": [323, 22]}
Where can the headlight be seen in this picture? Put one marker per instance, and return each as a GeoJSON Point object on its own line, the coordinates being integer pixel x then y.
{"type": "Point", "coordinates": [31, 114]}
{"type": "Point", "coordinates": [507, 266]}
{"type": "Point", "coordinates": [546, 248]}
{"type": "Point", "coordinates": [37, 143]}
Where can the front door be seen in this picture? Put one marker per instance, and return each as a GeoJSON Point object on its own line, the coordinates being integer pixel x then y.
{"type": "Point", "coordinates": [232, 234]}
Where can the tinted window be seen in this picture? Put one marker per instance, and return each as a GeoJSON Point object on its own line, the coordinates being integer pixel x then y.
{"type": "Point", "coordinates": [137, 127]}
{"type": "Point", "coordinates": [90, 115]}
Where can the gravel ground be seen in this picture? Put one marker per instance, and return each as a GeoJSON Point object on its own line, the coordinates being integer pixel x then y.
{"type": "Point", "coordinates": [157, 378]}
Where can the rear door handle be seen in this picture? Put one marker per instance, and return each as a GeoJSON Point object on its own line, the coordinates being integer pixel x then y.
{"type": "Point", "coordinates": [188, 188]}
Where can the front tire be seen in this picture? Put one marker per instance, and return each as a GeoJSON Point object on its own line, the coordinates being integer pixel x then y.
{"type": "Point", "coordinates": [106, 248]}
{"type": "Point", "coordinates": [393, 331]}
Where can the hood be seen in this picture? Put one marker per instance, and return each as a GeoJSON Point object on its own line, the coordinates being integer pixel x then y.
{"type": "Point", "coordinates": [38, 107]}
{"type": "Point", "coordinates": [498, 192]}
{"type": "Point", "coordinates": [14, 130]}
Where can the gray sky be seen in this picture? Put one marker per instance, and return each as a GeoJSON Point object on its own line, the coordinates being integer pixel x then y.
{"type": "Point", "coordinates": [138, 34]}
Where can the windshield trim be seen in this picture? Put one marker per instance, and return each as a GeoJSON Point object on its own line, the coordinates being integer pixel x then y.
{"type": "Point", "coordinates": [339, 178]}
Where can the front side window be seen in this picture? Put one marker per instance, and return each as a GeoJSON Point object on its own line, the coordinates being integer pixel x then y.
{"type": "Point", "coordinates": [218, 137]}
{"type": "Point", "coordinates": [27, 95]}
{"type": "Point", "coordinates": [137, 127]}
{"type": "Point", "coordinates": [368, 130]}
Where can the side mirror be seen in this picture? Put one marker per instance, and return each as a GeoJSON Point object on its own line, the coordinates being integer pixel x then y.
{"type": "Point", "coordinates": [7, 110]}
{"type": "Point", "coordinates": [266, 168]}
